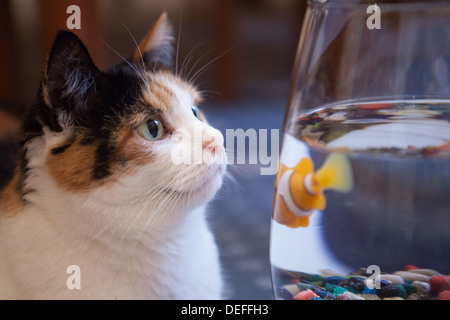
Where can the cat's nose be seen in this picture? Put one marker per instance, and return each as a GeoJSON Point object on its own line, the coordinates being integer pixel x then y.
{"type": "Point", "coordinates": [213, 142]}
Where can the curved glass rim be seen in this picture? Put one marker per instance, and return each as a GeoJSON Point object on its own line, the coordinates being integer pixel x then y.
{"type": "Point", "coordinates": [384, 99]}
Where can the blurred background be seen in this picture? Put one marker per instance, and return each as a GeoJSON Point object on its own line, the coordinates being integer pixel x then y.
{"type": "Point", "coordinates": [243, 50]}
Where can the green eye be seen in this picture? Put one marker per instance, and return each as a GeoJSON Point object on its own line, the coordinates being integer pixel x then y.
{"type": "Point", "coordinates": [151, 129]}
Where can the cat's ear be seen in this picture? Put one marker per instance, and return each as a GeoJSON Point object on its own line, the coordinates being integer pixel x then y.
{"type": "Point", "coordinates": [69, 80]}
{"type": "Point", "coordinates": [157, 46]}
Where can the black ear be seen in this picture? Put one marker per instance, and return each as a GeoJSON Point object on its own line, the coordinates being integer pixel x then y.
{"type": "Point", "coordinates": [156, 49]}
{"type": "Point", "coordinates": [70, 79]}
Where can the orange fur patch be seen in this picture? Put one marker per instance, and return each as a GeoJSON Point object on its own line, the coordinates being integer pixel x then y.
{"type": "Point", "coordinates": [73, 169]}
{"type": "Point", "coordinates": [45, 94]}
{"type": "Point", "coordinates": [10, 200]}
{"type": "Point", "coordinates": [162, 95]}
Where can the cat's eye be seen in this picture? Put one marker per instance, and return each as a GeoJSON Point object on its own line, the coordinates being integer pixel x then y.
{"type": "Point", "coordinates": [194, 111]}
{"type": "Point", "coordinates": [151, 129]}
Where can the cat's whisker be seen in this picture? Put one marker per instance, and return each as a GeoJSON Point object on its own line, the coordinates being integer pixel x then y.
{"type": "Point", "coordinates": [129, 206]}
{"type": "Point", "coordinates": [237, 169]}
{"type": "Point", "coordinates": [228, 176]}
{"type": "Point", "coordinates": [149, 195]}
{"type": "Point", "coordinates": [148, 200]}
{"type": "Point", "coordinates": [164, 207]}
{"type": "Point", "coordinates": [188, 57]}
{"type": "Point", "coordinates": [235, 157]}
{"type": "Point", "coordinates": [155, 63]}
{"type": "Point", "coordinates": [158, 213]}
{"type": "Point", "coordinates": [125, 60]}
{"type": "Point", "coordinates": [138, 216]}
{"type": "Point", "coordinates": [196, 63]}
{"type": "Point", "coordinates": [206, 66]}
{"type": "Point", "coordinates": [178, 42]}
{"type": "Point", "coordinates": [210, 93]}
{"type": "Point", "coordinates": [207, 93]}
{"type": "Point", "coordinates": [135, 42]}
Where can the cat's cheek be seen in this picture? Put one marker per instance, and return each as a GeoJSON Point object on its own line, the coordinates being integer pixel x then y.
{"type": "Point", "coordinates": [138, 155]}
{"type": "Point", "coordinates": [135, 151]}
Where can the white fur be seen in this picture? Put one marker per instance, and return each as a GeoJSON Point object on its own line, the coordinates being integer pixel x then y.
{"type": "Point", "coordinates": [144, 236]}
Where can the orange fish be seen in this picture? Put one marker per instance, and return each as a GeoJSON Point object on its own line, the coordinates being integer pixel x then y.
{"type": "Point", "coordinates": [299, 190]}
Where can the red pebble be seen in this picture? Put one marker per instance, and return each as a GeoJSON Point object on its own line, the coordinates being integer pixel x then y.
{"type": "Point", "coordinates": [444, 295]}
{"type": "Point", "coordinates": [305, 295]}
{"type": "Point", "coordinates": [439, 283]}
{"type": "Point", "coordinates": [410, 267]}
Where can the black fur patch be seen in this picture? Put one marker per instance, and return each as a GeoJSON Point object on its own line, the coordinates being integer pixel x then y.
{"type": "Point", "coordinates": [102, 157]}
{"type": "Point", "coordinates": [59, 150]}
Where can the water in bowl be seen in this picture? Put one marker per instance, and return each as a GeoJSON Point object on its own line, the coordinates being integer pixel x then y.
{"type": "Point", "coordinates": [373, 201]}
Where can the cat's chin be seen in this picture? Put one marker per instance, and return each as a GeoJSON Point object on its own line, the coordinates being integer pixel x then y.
{"type": "Point", "coordinates": [204, 188]}
{"type": "Point", "coordinates": [212, 181]}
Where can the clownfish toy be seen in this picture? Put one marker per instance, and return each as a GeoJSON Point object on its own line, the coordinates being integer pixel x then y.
{"type": "Point", "coordinates": [299, 190]}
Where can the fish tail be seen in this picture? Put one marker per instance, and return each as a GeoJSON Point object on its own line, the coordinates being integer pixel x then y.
{"type": "Point", "coordinates": [336, 173]}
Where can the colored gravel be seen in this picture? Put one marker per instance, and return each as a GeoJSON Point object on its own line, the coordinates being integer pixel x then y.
{"type": "Point", "coordinates": [412, 283]}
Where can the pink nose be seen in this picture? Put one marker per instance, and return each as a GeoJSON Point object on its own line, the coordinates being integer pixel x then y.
{"type": "Point", "coordinates": [213, 142]}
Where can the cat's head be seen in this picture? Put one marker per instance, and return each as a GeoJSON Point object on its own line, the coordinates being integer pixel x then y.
{"type": "Point", "coordinates": [123, 131]}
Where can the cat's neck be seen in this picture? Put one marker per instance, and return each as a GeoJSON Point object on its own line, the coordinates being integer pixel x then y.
{"type": "Point", "coordinates": [107, 256]}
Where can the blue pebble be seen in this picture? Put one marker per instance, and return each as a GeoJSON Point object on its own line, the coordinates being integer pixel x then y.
{"type": "Point", "coordinates": [368, 290]}
{"type": "Point", "coordinates": [335, 280]}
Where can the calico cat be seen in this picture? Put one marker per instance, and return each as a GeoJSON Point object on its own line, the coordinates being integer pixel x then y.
{"type": "Point", "coordinates": [96, 208]}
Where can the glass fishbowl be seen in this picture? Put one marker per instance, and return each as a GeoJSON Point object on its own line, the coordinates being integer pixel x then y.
{"type": "Point", "coordinates": [362, 193]}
